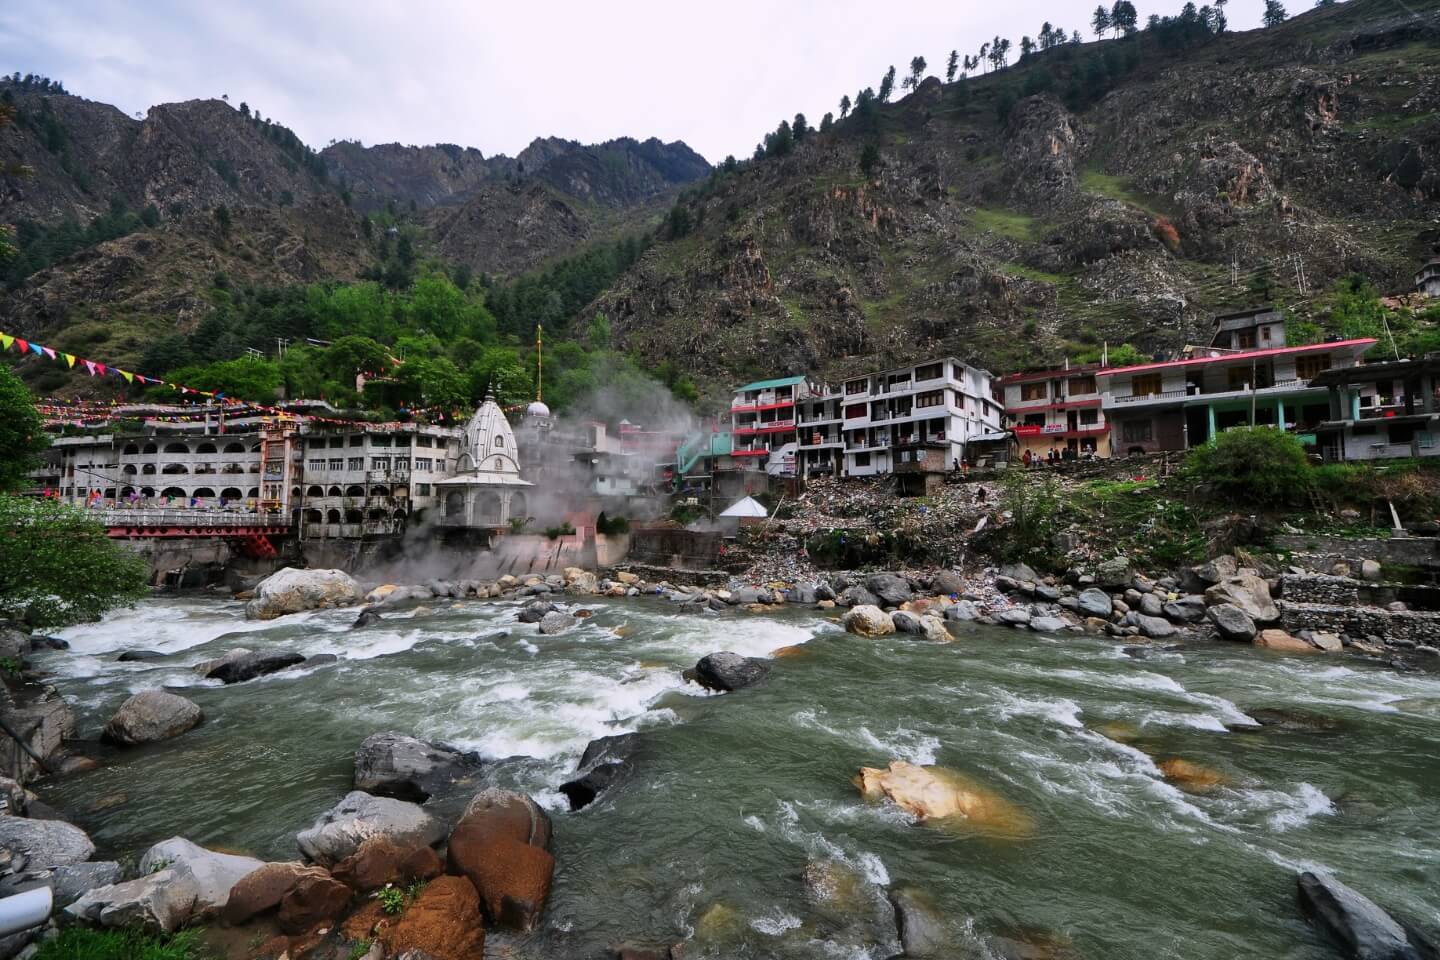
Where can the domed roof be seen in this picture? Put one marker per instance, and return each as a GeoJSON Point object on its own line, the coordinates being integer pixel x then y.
{"type": "Point", "coordinates": [488, 445]}
{"type": "Point", "coordinates": [537, 409]}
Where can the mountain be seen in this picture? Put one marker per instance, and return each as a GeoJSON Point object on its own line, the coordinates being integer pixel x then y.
{"type": "Point", "coordinates": [1144, 183]}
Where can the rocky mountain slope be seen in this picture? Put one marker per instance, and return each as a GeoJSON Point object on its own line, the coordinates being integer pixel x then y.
{"type": "Point", "coordinates": [1260, 164]}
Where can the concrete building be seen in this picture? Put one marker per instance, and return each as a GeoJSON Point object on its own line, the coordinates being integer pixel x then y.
{"type": "Point", "coordinates": [486, 490]}
{"type": "Point", "coordinates": [1178, 404]}
{"type": "Point", "coordinates": [1258, 328]}
{"type": "Point", "coordinates": [1057, 409]}
{"type": "Point", "coordinates": [764, 423]}
{"type": "Point", "coordinates": [1381, 411]}
{"type": "Point", "coordinates": [1427, 281]}
{"type": "Point", "coordinates": [942, 405]}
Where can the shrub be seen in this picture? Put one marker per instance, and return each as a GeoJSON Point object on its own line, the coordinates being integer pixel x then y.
{"type": "Point", "coordinates": [81, 943]}
{"type": "Point", "coordinates": [1033, 504]}
{"type": "Point", "coordinates": [1254, 466]}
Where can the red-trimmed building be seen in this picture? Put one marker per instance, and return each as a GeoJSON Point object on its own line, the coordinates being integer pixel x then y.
{"type": "Point", "coordinates": [1057, 409]}
{"type": "Point", "coordinates": [1178, 404]}
{"type": "Point", "coordinates": [764, 420]}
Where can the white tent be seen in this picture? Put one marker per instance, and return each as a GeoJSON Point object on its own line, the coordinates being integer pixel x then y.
{"type": "Point", "coordinates": [748, 507]}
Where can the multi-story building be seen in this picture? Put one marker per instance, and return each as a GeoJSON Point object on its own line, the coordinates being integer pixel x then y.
{"type": "Point", "coordinates": [1057, 409]}
{"type": "Point", "coordinates": [1381, 410]}
{"type": "Point", "coordinates": [764, 423]}
{"type": "Point", "coordinates": [889, 417]}
{"type": "Point", "coordinates": [1178, 404]}
{"type": "Point", "coordinates": [1427, 281]}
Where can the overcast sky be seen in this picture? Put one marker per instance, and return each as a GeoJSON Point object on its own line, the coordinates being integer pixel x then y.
{"type": "Point", "coordinates": [495, 76]}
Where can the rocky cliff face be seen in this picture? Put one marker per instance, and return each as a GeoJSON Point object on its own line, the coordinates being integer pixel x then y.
{"type": "Point", "coordinates": [1312, 146]}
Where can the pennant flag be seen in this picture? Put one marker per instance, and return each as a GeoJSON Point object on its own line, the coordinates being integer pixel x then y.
{"type": "Point", "coordinates": [70, 359]}
{"type": "Point", "coordinates": [49, 352]}
{"type": "Point", "coordinates": [36, 349]}
{"type": "Point", "coordinates": [99, 368]}
{"type": "Point", "coordinates": [129, 377]}
{"type": "Point", "coordinates": [6, 340]}
{"type": "Point", "coordinates": [24, 345]}
{"type": "Point", "coordinates": [89, 365]}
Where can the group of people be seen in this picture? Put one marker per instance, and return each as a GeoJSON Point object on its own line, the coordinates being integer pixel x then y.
{"type": "Point", "coordinates": [1053, 456]}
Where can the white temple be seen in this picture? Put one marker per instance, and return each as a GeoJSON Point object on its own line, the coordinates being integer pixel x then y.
{"type": "Point", "coordinates": [486, 490]}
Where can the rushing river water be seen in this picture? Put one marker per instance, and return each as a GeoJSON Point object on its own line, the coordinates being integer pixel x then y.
{"type": "Point", "coordinates": [737, 793]}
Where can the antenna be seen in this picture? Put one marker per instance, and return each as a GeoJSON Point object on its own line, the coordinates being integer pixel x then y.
{"type": "Point", "coordinates": [540, 361]}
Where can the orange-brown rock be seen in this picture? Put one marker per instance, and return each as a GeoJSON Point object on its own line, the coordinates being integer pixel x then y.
{"type": "Point", "coordinates": [380, 860]}
{"type": "Point", "coordinates": [945, 796]}
{"type": "Point", "coordinates": [794, 650]}
{"type": "Point", "coordinates": [1191, 776]}
{"type": "Point", "coordinates": [366, 923]}
{"type": "Point", "coordinates": [1284, 642]}
{"type": "Point", "coordinates": [500, 844]}
{"type": "Point", "coordinates": [444, 921]}
{"type": "Point", "coordinates": [312, 902]}
{"type": "Point", "coordinates": [263, 889]}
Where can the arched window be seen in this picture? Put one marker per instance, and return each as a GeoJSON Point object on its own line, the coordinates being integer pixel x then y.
{"type": "Point", "coordinates": [253, 492]}
{"type": "Point", "coordinates": [490, 509]}
{"type": "Point", "coordinates": [255, 447]}
{"type": "Point", "coordinates": [378, 513]}
{"type": "Point", "coordinates": [313, 516]}
{"type": "Point", "coordinates": [517, 504]}
{"type": "Point", "coordinates": [400, 515]}
{"type": "Point", "coordinates": [147, 492]}
{"type": "Point", "coordinates": [175, 468]}
{"type": "Point", "coordinates": [205, 492]}
{"type": "Point", "coordinates": [131, 449]}
{"type": "Point", "coordinates": [176, 448]}
{"type": "Point", "coordinates": [500, 442]}
{"type": "Point", "coordinates": [233, 447]}
{"type": "Point", "coordinates": [125, 492]}
{"type": "Point", "coordinates": [150, 448]}
{"type": "Point", "coordinates": [294, 493]}
{"type": "Point", "coordinates": [129, 468]}
{"type": "Point", "coordinates": [332, 516]}
{"type": "Point", "coordinates": [354, 516]}
{"type": "Point", "coordinates": [454, 504]}
{"type": "Point", "coordinates": [173, 492]}
{"type": "Point", "coordinates": [147, 468]}
{"type": "Point", "coordinates": [206, 447]}
{"type": "Point", "coordinates": [333, 492]}
{"type": "Point", "coordinates": [379, 490]}
{"type": "Point", "coordinates": [315, 491]}
{"type": "Point", "coordinates": [109, 493]}
{"type": "Point", "coordinates": [231, 493]}
{"type": "Point", "coordinates": [354, 490]}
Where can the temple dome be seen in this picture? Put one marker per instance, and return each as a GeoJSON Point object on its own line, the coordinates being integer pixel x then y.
{"type": "Point", "coordinates": [537, 409]}
{"type": "Point", "coordinates": [488, 445]}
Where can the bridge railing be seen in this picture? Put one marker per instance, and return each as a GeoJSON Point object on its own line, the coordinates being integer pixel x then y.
{"type": "Point", "coordinates": [189, 518]}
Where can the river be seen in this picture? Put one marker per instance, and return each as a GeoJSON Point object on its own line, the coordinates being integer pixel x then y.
{"type": "Point", "coordinates": [738, 792]}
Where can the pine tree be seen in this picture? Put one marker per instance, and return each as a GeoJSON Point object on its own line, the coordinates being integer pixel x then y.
{"type": "Point", "coordinates": [826, 122]}
{"type": "Point", "coordinates": [951, 66]}
{"type": "Point", "coordinates": [1274, 13]}
{"type": "Point", "coordinates": [844, 106]}
{"type": "Point", "coordinates": [800, 127]}
{"type": "Point", "coordinates": [1100, 21]}
{"type": "Point", "coordinates": [984, 53]}
{"type": "Point", "coordinates": [887, 85]}
{"type": "Point", "coordinates": [1027, 47]}
{"type": "Point", "coordinates": [917, 70]}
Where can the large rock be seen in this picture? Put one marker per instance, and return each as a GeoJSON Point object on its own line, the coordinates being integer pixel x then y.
{"type": "Point", "coordinates": [726, 671]}
{"type": "Point", "coordinates": [67, 883]}
{"type": "Point", "coordinates": [342, 829]}
{"type": "Point", "coordinates": [1156, 628]}
{"type": "Point", "coordinates": [534, 611]}
{"type": "Point", "coordinates": [948, 583]}
{"type": "Point", "coordinates": [150, 716]}
{"type": "Point", "coordinates": [1019, 572]}
{"type": "Point", "coordinates": [857, 596]}
{"type": "Point", "coordinates": [43, 844]}
{"type": "Point", "coordinates": [311, 902]}
{"type": "Point", "coordinates": [292, 590]}
{"type": "Point", "coordinates": [180, 883]}
{"type": "Point", "coordinates": [935, 793]}
{"type": "Point", "coordinates": [1231, 622]}
{"type": "Point", "coordinates": [392, 764]}
{"type": "Point", "coordinates": [605, 763]}
{"type": "Point", "coordinates": [251, 665]}
{"type": "Point", "coordinates": [1114, 573]}
{"type": "Point", "coordinates": [1093, 602]}
{"type": "Point", "coordinates": [501, 844]}
{"type": "Point", "coordinates": [922, 932]}
{"type": "Point", "coordinates": [1285, 643]}
{"type": "Point", "coordinates": [1049, 624]}
{"type": "Point", "coordinates": [1360, 928]}
{"type": "Point", "coordinates": [556, 622]}
{"type": "Point", "coordinates": [962, 610]}
{"type": "Point", "coordinates": [381, 860]}
{"type": "Point", "coordinates": [1187, 609]}
{"type": "Point", "coordinates": [583, 582]}
{"type": "Point", "coordinates": [868, 620]}
{"type": "Point", "coordinates": [1214, 571]}
{"type": "Point", "coordinates": [1248, 592]}
{"type": "Point", "coordinates": [891, 588]}
{"type": "Point", "coordinates": [933, 628]}
{"type": "Point", "coordinates": [263, 888]}
{"type": "Point", "coordinates": [442, 923]}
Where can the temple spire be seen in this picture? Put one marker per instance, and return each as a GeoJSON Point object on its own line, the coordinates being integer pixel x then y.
{"type": "Point", "coordinates": [540, 362]}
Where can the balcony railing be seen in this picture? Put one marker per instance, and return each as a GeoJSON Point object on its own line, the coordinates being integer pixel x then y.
{"type": "Point", "coordinates": [188, 518]}
{"type": "Point", "coordinates": [1195, 390]}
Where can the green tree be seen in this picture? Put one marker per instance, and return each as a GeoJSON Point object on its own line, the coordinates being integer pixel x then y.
{"type": "Point", "coordinates": [1100, 21]}
{"type": "Point", "coordinates": [869, 159]}
{"type": "Point", "coordinates": [22, 432]}
{"type": "Point", "coordinates": [1274, 13]}
{"type": "Point", "coordinates": [222, 219]}
{"type": "Point", "coordinates": [827, 121]}
{"type": "Point", "coordinates": [844, 106]}
{"type": "Point", "coordinates": [887, 85]}
{"type": "Point", "coordinates": [1253, 465]}
{"type": "Point", "coordinates": [917, 70]}
{"type": "Point", "coordinates": [58, 566]}
{"type": "Point", "coordinates": [245, 378]}
{"type": "Point", "coordinates": [951, 66]}
{"type": "Point", "coordinates": [800, 128]}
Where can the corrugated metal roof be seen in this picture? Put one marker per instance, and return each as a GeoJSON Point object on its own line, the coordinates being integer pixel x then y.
{"type": "Point", "coordinates": [767, 384]}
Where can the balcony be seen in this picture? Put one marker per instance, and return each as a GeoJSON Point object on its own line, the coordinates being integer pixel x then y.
{"type": "Point", "coordinates": [121, 517]}
{"type": "Point", "coordinates": [1194, 391]}
{"type": "Point", "coordinates": [770, 426]}
{"type": "Point", "coordinates": [764, 401]}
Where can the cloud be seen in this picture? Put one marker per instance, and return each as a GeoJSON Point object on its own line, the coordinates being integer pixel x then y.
{"type": "Point", "coordinates": [495, 76]}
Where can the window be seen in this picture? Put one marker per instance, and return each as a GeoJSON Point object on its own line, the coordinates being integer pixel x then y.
{"type": "Point", "coordinates": [1136, 431]}
{"type": "Point", "coordinates": [422, 489]}
{"type": "Point", "coordinates": [356, 463]}
{"type": "Point", "coordinates": [423, 463]}
{"type": "Point", "coordinates": [1145, 385]}
{"type": "Point", "coordinates": [862, 459]}
{"type": "Point", "coordinates": [854, 387]}
{"type": "Point", "coordinates": [1034, 391]}
{"type": "Point", "coordinates": [380, 440]}
{"type": "Point", "coordinates": [1034, 419]}
{"type": "Point", "coordinates": [1310, 366]}
{"type": "Point", "coordinates": [1238, 378]}
{"type": "Point", "coordinates": [336, 443]}
{"type": "Point", "coordinates": [1265, 334]}
{"type": "Point", "coordinates": [1402, 432]}
{"type": "Point", "coordinates": [931, 371]}
{"type": "Point", "coordinates": [356, 440]}
{"type": "Point", "coordinates": [1090, 417]}
{"type": "Point", "coordinates": [933, 398]}
{"type": "Point", "coordinates": [402, 440]}
{"type": "Point", "coordinates": [402, 463]}
{"type": "Point", "coordinates": [379, 463]}
{"type": "Point", "coordinates": [316, 464]}
{"type": "Point", "coordinates": [500, 442]}
{"type": "Point", "coordinates": [337, 463]}
{"type": "Point", "coordinates": [855, 411]}
{"type": "Point", "coordinates": [1080, 386]}
{"type": "Point", "coordinates": [422, 441]}
{"type": "Point", "coordinates": [1245, 339]}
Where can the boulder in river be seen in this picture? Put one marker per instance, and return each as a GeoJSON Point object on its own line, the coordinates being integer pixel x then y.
{"type": "Point", "coordinates": [1191, 776]}
{"type": "Point", "coordinates": [339, 831]}
{"type": "Point", "coordinates": [1361, 929]}
{"type": "Point", "coordinates": [868, 620]}
{"type": "Point", "coordinates": [962, 610]}
{"type": "Point", "coordinates": [533, 611]}
{"type": "Point", "coordinates": [367, 618]}
{"type": "Point", "coordinates": [150, 716]}
{"type": "Point", "coordinates": [857, 596]}
{"type": "Point", "coordinates": [1094, 602]}
{"type": "Point", "coordinates": [140, 656]}
{"type": "Point", "coordinates": [44, 843]}
{"type": "Point", "coordinates": [263, 888]}
{"type": "Point", "coordinates": [726, 671]}
{"type": "Point", "coordinates": [180, 883]}
{"type": "Point", "coordinates": [1231, 622]}
{"type": "Point", "coordinates": [1293, 721]}
{"type": "Point", "coordinates": [67, 883]}
{"type": "Point", "coordinates": [1248, 592]}
{"type": "Point", "coordinates": [292, 590]}
{"type": "Point", "coordinates": [501, 844]}
{"type": "Point", "coordinates": [606, 762]}
{"type": "Point", "coordinates": [891, 588]}
{"type": "Point", "coordinates": [238, 669]}
{"type": "Point", "coordinates": [556, 622]}
{"type": "Point", "coordinates": [381, 860]}
{"type": "Point", "coordinates": [935, 793]}
{"type": "Point", "coordinates": [442, 923]}
{"type": "Point", "coordinates": [1186, 609]}
{"type": "Point", "coordinates": [1049, 624]}
{"type": "Point", "coordinates": [921, 929]}
{"type": "Point", "coordinates": [1156, 628]}
{"type": "Point", "coordinates": [1283, 642]}
{"type": "Point", "coordinates": [392, 764]}
{"type": "Point", "coordinates": [313, 900]}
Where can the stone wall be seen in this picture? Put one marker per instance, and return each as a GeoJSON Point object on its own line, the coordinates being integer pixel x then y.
{"type": "Point", "coordinates": [1348, 591]}
{"type": "Point", "coordinates": [1413, 551]}
{"type": "Point", "coordinates": [676, 547]}
{"type": "Point", "coordinates": [1400, 629]}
